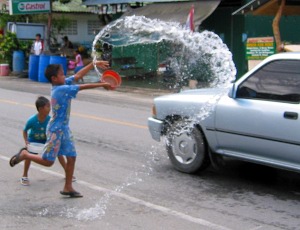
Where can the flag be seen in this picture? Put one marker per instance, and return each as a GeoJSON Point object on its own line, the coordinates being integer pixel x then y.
{"type": "Point", "coordinates": [190, 20]}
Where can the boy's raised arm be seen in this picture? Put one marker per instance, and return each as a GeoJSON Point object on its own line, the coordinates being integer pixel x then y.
{"type": "Point", "coordinates": [81, 73]}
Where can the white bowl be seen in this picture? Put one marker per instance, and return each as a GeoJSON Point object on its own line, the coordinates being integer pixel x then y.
{"type": "Point", "coordinates": [34, 147]}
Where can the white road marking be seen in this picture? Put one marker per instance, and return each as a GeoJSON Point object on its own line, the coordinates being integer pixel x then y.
{"type": "Point", "coordinates": [132, 199]}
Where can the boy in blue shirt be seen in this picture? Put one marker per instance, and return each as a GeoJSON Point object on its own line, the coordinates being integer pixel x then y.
{"type": "Point", "coordinates": [35, 132]}
{"type": "Point", "coordinates": [59, 137]}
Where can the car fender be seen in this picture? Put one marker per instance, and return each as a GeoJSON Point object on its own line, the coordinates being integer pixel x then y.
{"type": "Point", "coordinates": [196, 105]}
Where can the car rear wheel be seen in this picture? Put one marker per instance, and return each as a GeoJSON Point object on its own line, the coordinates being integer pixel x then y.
{"type": "Point", "coordinates": [186, 147]}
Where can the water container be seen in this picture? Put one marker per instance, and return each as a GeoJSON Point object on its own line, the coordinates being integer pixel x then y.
{"type": "Point", "coordinates": [18, 61]}
{"type": "Point", "coordinates": [60, 60]}
{"type": "Point", "coordinates": [33, 70]}
{"type": "Point", "coordinates": [43, 63]}
{"type": "Point", "coordinates": [4, 69]}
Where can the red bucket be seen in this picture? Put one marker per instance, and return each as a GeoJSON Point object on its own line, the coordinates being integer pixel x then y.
{"type": "Point", "coordinates": [111, 77]}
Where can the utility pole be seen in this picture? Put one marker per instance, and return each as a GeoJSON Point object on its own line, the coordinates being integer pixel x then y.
{"type": "Point", "coordinates": [49, 25]}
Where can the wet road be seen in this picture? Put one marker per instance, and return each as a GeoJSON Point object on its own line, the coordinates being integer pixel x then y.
{"type": "Point", "coordinates": [126, 178]}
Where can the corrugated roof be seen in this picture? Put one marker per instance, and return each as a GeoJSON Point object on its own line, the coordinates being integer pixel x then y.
{"type": "Point", "coordinates": [176, 11]}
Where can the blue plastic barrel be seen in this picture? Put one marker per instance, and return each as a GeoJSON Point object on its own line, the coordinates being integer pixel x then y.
{"type": "Point", "coordinates": [59, 60]}
{"type": "Point", "coordinates": [43, 63]}
{"type": "Point", "coordinates": [33, 69]}
{"type": "Point", "coordinates": [18, 61]}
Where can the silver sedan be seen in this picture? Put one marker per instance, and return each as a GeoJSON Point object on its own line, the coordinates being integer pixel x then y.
{"type": "Point", "coordinates": [255, 120]}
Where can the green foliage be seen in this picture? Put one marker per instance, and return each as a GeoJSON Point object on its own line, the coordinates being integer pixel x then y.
{"type": "Point", "coordinates": [8, 43]}
{"type": "Point", "coordinates": [25, 46]}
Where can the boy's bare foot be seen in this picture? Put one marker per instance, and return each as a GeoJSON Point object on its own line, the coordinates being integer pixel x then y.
{"type": "Point", "coordinates": [16, 159]}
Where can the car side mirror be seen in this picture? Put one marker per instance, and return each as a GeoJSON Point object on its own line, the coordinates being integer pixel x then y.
{"type": "Point", "coordinates": [231, 93]}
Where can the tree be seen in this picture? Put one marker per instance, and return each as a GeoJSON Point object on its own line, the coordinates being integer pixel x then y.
{"type": "Point", "coordinates": [275, 26]}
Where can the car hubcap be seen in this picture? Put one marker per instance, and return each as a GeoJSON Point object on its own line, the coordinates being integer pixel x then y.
{"type": "Point", "coordinates": [184, 148]}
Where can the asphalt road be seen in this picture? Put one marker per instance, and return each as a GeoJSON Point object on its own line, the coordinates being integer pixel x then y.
{"type": "Point", "coordinates": [126, 178]}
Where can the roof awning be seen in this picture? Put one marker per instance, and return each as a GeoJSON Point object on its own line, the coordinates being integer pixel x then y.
{"type": "Point", "coordinates": [269, 7]}
{"type": "Point", "coordinates": [176, 12]}
{"type": "Point", "coordinates": [103, 2]}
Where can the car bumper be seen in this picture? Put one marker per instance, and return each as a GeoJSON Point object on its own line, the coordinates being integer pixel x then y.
{"type": "Point", "coordinates": [155, 127]}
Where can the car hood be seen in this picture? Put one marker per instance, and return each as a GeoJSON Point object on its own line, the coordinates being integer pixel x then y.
{"type": "Point", "coordinates": [189, 103]}
{"type": "Point", "coordinates": [195, 94]}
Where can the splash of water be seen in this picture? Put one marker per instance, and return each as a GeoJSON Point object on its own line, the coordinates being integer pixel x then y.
{"type": "Point", "coordinates": [201, 56]}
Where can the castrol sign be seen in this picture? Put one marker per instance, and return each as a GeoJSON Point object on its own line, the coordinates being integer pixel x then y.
{"type": "Point", "coordinates": [29, 6]}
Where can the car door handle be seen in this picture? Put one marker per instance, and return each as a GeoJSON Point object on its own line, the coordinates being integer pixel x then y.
{"type": "Point", "coordinates": [290, 115]}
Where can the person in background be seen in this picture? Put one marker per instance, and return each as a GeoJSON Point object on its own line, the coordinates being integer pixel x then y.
{"type": "Point", "coordinates": [67, 43]}
{"type": "Point", "coordinates": [37, 47]}
{"type": "Point", "coordinates": [78, 61]}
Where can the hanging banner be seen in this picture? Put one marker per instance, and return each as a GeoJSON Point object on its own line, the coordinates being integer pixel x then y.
{"type": "Point", "coordinates": [29, 7]}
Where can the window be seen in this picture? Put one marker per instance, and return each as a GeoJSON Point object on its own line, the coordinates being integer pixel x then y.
{"type": "Point", "coordinates": [72, 28]}
{"type": "Point", "coordinates": [276, 81]}
{"type": "Point", "coordinates": [93, 27]}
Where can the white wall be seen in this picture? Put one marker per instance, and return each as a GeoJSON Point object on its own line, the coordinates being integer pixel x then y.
{"type": "Point", "coordinates": [82, 27]}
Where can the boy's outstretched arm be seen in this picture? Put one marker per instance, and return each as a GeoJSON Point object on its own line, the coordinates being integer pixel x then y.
{"type": "Point", "coordinates": [95, 85]}
{"type": "Point", "coordinates": [81, 73]}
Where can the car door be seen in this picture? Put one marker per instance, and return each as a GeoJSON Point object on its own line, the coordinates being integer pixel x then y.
{"type": "Point", "coordinates": [262, 122]}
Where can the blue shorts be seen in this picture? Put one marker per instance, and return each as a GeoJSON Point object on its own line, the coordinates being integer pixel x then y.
{"type": "Point", "coordinates": [59, 142]}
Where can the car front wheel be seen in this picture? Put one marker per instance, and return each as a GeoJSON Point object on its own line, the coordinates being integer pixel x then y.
{"type": "Point", "coordinates": [186, 147]}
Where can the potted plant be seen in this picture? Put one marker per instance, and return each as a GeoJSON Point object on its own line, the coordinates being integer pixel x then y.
{"type": "Point", "coordinates": [4, 62]}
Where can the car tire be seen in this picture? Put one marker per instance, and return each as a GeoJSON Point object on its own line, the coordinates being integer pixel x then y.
{"type": "Point", "coordinates": [186, 147]}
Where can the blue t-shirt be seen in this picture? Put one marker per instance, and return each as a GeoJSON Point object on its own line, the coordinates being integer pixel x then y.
{"type": "Point", "coordinates": [61, 97]}
{"type": "Point", "coordinates": [35, 129]}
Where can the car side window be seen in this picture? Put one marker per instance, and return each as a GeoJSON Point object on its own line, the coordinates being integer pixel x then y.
{"type": "Point", "coordinates": [276, 81]}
